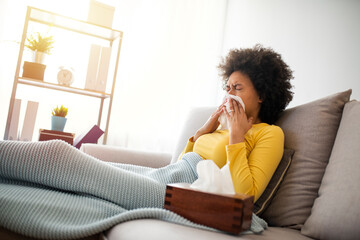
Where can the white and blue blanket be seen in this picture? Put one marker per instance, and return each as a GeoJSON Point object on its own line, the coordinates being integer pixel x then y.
{"type": "Point", "coordinates": [52, 190]}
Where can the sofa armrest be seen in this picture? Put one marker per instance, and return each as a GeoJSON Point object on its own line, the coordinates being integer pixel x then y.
{"type": "Point", "coordinates": [122, 155]}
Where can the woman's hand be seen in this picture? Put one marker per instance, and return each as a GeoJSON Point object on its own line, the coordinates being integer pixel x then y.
{"type": "Point", "coordinates": [238, 122]}
{"type": "Point", "coordinates": [211, 124]}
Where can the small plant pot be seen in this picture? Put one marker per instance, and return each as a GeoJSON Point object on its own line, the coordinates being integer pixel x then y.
{"type": "Point", "coordinates": [34, 70]}
{"type": "Point", "coordinates": [58, 123]}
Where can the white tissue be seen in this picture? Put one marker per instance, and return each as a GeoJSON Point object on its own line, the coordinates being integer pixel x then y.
{"type": "Point", "coordinates": [222, 118]}
{"type": "Point", "coordinates": [213, 179]}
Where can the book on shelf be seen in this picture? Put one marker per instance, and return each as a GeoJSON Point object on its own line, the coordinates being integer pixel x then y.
{"type": "Point", "coordinates": [98, 68]}
{"type": "Point", "coordinates": [93, 65]}
{"type": "Point", "coordinates": [14, 123]}
{"type": "Point", "coordinates": [103, 69]}
{"type": "Point", "coordinates": [90, 136]}
{"type": "Point", "coordinates": [29, 121]}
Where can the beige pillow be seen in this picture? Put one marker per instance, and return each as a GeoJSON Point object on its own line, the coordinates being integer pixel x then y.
{"type": "Point", "coordinates": [336, 212]}
{"type": "Point", "coordinates": [310, 130]}
{"type": "Point", "coordinates": [265, 198]}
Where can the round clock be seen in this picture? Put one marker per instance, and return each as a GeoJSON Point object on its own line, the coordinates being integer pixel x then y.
{"type": "Point", "coordinates": [65, 76]}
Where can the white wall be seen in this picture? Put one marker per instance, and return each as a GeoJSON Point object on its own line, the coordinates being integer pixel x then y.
{"type": "Point", "coordinates": [320, 40]}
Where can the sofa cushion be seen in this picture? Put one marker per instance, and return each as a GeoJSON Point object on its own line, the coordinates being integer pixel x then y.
{"type": "Point", "coordinates": [310, 130]}
{"type": "Point", "coordinates": [194, 120]}
{"type": "Point", "coordinates": [336, 212]}
{"type": "Point", "coordinates": [151, 229]}
{"type": "Point", "coordinates": [263, 202]}
{"type": "Point", "coordinates": [9, 235]}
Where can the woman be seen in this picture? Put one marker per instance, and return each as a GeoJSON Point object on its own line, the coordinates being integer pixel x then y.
{"type": "Point", "coordinates": [52, 190]}
{"type": "Point", "coordinates": [252, 147]}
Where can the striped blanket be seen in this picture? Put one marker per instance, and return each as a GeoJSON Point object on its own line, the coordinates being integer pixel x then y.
{"type": "Point", "coordinates": [52, 190]}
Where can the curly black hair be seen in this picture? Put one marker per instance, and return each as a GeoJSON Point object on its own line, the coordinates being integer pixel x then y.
{"type": "Point", "coordinates": [269, 74]}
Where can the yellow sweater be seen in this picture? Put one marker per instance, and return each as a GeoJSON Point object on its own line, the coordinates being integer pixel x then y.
{"type": "Point", "coordinates": [252, 163]}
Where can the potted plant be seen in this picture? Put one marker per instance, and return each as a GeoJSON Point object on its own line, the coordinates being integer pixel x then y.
{"type": "Point", "coordinates": [40, 45]}
{"type": "Point", "coordinates": [58, 119]}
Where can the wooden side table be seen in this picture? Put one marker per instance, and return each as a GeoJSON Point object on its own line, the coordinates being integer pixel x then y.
{"type": "Point", "coordinates": [46, 135]}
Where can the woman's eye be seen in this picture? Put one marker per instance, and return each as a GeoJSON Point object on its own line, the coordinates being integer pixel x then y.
{"type": "Point", "coordinates": [227, 88]}
{"type": "Point", "coordinates": [237, 87]}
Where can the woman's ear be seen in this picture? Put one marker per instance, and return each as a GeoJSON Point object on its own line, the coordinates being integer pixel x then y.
{"type": "Point", "coordinates": [260, 100]}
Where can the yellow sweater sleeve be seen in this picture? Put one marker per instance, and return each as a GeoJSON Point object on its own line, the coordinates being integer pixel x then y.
{"type": "Point", "coordinates": [188, 148]}
{"type": "Point", "coordinates": [252, 172]}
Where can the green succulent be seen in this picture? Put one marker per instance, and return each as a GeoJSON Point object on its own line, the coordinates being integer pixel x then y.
{"type": "Point", "coordinates": [40, 43]}
{"type": "Point", "coordinates": [60, 112]}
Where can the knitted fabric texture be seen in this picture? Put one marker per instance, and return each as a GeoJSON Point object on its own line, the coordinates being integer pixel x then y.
{"type": "Point", "coordinates": [51, 190]}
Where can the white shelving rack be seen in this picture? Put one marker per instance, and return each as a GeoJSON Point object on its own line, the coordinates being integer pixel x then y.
{"type": "Point", "coordinates": [77, 26]}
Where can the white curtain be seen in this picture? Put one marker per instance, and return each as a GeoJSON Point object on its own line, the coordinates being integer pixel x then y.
{"type": "Point", "coordinates": [167, 65]}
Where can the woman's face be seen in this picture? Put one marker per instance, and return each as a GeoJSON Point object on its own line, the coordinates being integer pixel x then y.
{"type": "Point", "coordinates": [240, 85]}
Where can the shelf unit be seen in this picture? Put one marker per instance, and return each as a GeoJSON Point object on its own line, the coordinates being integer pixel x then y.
{"type": "Point", "coordinates": [77, 26]}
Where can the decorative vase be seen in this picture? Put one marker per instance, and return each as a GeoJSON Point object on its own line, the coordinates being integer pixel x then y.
{"type": "Point", "coordinates": [39, 57]}
{"type": "Point", "coordinates": [58, 123]}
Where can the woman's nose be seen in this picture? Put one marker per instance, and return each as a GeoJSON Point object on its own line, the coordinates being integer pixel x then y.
{"type": "Point", "coordinates": [231, 91]}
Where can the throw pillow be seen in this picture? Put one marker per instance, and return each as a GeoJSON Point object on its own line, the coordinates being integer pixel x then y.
{"type": "Point", "coordinates": [261, 204]}
{"type": "Point", "coordinates": [336, 212]}
{"type": "Point", "coordinates": [310, 130]}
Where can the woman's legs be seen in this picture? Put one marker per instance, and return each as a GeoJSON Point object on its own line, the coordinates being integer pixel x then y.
{"type": "Point", "coordinates": [58, 165]}
{"type": "Point", "coordinates": [168, 174]}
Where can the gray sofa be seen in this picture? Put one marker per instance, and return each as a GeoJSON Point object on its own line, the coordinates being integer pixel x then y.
{"type": "Point", "coordinates": [319, 195]}
{"type": "Point", "coordinates": [317, 198]}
